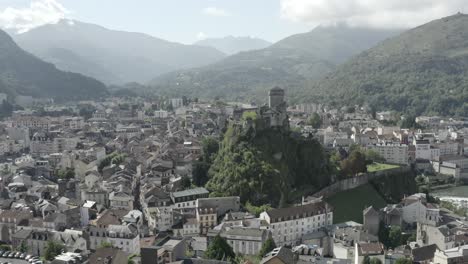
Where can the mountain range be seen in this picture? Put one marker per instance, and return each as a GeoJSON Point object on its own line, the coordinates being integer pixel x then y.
{"type": "Point", "coordinates": [422, 71]}
{"type": "Point", "coordinates": [114, 57]}
{"type": "Point", "coordinates": [294, 62]}
{"type": "Point", "coordinates": [24, 74]}
{"type": "Point", "coordinates": [232, 45]}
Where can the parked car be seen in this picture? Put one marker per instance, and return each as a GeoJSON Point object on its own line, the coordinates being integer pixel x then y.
{"type": "Point", "coordinates": [28, 257]}
{"type": "Point", "coordinates": [17, 255]}
{"type": "Point", "coordinates": [31, 260]}
{"type": "Point", "coordinates": [12, 255]}
{"type": "Point", "coordinates": [5, 255]}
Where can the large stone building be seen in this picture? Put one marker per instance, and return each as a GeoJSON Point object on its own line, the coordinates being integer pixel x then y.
{"type": "Point", "coordinates": [287, 225]}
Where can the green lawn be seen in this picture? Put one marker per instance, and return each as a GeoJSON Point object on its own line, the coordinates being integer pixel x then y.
{"type": "Point", "coordinates": [348, 205]}
{"type": "Point", "coordinates": [380, 167]}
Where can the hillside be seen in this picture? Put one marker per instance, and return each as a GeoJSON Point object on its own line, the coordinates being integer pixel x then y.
{"type": "Point", "coordinates": [294, 63]}
{"type": "Point", "coordinates": [23, 74]}
{"type": "Point", "coordinates": [423, 71]}
{"type": "Point", "coordinates": [248, 165]}
{"type": "Point", "coordinates": [232, 45]}
{"type": "Point", "coordinates": [109, 55]}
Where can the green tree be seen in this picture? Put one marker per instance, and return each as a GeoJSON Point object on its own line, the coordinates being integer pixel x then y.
{"type": "Point", "coordinates": [373, 156]}
{"type": "Point", "coordinates": [267, 247]}
{"type": "Point", "coordinates": [23, 247]}
{"type": "Point", "coordinates": [354, 164]}
{"type": "Point", "coordinates": [365, 260]}
{"type": "Point", "coordinates": [315, 121]}
{"type": "Point", "coordinates": [257, 210]}
{"type": "Point", "coordinates": [200, 173]}
{"type": "Point", "coordinates": [210, 147]}
{"type": "Point", "coordinates": [403, 261]}
{"type": "Point", "coordinates": [185, 182]}
{"type": "Point", "coordinates": [68, 173]}
{"type": "Point", "coordinates": [219, 249]}
{"type": "Point", "coordinates": [394, 236]}
{"type": "Point", "coordinates": [409, 121]}
{"type": "Point", "coordinates": [53, 249]}
{"type": "Point", "coordinates": [87, 111]}
{"type": "Point", "coordinates": [375, 261]}
{"type": "Point", "coordinates": [383, 234]}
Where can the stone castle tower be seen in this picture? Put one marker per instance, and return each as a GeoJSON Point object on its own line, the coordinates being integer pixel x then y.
{"type": "Point", "coordinates": [276, 98]}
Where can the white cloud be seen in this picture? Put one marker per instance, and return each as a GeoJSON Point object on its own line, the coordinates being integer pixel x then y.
{"type": "Point", "coordinates": [201, 36]}
{"type": "Point", "coordinates": [373, 13]}
{"type": "Point", "coordinates": [215, 11]}
{"type": "Point", "coordinates": [38, 13]}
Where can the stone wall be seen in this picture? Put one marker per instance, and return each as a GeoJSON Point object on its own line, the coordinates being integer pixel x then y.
{"type": "Point", "coordinates": [361, 179]}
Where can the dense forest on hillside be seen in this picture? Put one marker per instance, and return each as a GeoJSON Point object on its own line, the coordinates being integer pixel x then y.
{"type": "Point", "coordinates": [422, 71]}
{"type": "Point", "coordinates": [268, 166]}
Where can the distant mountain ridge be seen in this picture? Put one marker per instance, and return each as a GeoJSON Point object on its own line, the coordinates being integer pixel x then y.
{"type": "Point", "coordinates": [109, 55]}
{"type": "Point", "coordinates": [294, 63]}
{"type": "Point", "coordinates": [422, 71]}
{"type": "Point", "coordinates": [232, 45]}
{"type": "Point", "coordinates": [23, 74]}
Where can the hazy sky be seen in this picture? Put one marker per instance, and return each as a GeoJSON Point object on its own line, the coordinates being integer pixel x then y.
{"type": "Point", "coordinates": [188, 20]}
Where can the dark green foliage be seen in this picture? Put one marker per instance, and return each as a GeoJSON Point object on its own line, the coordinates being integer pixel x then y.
{"type": "Point", "coordinates": [257, 210]}
{"type": "Point", "coordinates": [354, 164]}
{"type": "Point", "coordinates": [366, 260]}
{"type": "Point", "coordinates": [267, 247]}
{"type": "Point", "coordinates": [266, 166]}
{"type": "Point", "coordinates": [391, 236]}
{"type": "Point", "coordinates": [395, 237]}
{"type": "Point", "coordinates": [5, 247]}
{"type": "Point", "coordinates": [315, 120]}
{"type": "Point", "coordinates": [53, 249]}
{"type": "Point", "coordinates": [422, 71]}
{"type": "Point", "coordinates": [113, 158]}
{"type": "Point", "coordinates": [373, 156]}
{"type": "Point", "coordinates": [384, 234]}
{"type": "Point", "coordinates": [409, 122]}
{"type": "Point", "coordinates": [200, 173]}
{"type": "Point", "coordinates": [210, 147]}
{"type": "Point", "coordinates": [87, 111]}
{"type": "Point", "coordinates": [185, 182]}
{"type": "Point", "coordinates": [394, 186]}
{"type": "Point", "coordinates": [23, 74]}
{"type": "Point", "coordinates": [219, 249]}
{"type": "Point", "coordinates": [403, 261]}
{"type": "Point", "coordinates": [68, 173]}
{"type": "Point", "coordinates": [23, 247]}
{"type": "Point", "coordinates": [105, 244]}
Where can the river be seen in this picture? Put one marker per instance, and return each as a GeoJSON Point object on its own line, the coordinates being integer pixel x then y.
{"type": "Point", "coordinates": [459, 191]}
